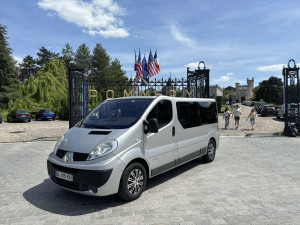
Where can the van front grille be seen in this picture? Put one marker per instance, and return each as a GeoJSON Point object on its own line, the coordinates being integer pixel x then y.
{"type": "Point", "coordinates": [60, 153]}
{"type": "Point", "coordinates": [80, 156]}
{"type": "Point", "coordinates": [76, 156]}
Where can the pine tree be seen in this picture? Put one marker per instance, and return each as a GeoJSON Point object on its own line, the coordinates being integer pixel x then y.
{"type": "Point", "coordinates": [8, 74]}
{"type": "Point", "coordinates": [27, 68]}
{"type": "Point", "coordinates": [82, 57]}
{"type": "Point", "coordinates": [44, 55]}
{"type": "Point", "coordinates": [100, 63]}
{"type": "Point", "coordinates": [68, 55]}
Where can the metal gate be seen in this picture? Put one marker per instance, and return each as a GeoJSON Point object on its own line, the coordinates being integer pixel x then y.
{"type": "Point", "coordinates": [291, 99]}
{"type": "Point", "coordinates": [85, 92]}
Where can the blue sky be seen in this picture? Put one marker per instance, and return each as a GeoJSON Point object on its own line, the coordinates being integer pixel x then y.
{"type": "Point", "coordinates": [236, 39]}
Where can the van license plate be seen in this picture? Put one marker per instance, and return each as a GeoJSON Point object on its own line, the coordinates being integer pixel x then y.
{"type": "Point", "coordinates": [64, 176]}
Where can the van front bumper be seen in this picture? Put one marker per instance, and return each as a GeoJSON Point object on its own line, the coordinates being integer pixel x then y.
{"type": "Point", "coordinates": [83, 180]}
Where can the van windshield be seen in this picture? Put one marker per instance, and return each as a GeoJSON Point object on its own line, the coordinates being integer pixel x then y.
{"type": "Point", "coordinates": [116, 114]}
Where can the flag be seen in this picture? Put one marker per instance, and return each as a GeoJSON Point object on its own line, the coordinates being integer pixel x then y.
{"type": "Point", "coordinates": [135, 61]}
{"type": "Point", "coordinates": [139, 69]}
{"type": "Point", "coordinates": [151, 66]}
{"type": "Point", "coordinates": [145, 79]}
{"type": "Point", "coordinates": [145, 72]}
{"type": "Point", "coordinates": [156, 63]}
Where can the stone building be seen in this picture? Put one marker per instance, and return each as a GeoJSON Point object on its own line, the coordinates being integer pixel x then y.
{"type": "Point", "coordinates": [244, 92]}
{"type": "Point", "coordinates": [215, 90]}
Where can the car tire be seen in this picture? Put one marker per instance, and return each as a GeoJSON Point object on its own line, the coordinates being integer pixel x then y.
{"type": "Point", "coordinates": [29, 121]}
{"type": "Point", "coordinates": [53, 119]}
{"type": "Point", "coordinates": [133, 182]}
{"type": "Point", "coordinates": [211, 151]}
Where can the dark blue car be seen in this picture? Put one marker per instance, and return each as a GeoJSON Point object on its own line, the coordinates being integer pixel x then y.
{"type": "Point", "coordinates": [45, 114]}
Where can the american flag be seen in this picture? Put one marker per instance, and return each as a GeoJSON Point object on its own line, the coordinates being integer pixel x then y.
{"type": "Point", "coordinates": [151, 66]}
{"type": "Point", "coordinates": [135, 61]}
{"type": "Point", "coordinates": [156, 63]}
{"type": "Point", "coordinates": [139, 69]}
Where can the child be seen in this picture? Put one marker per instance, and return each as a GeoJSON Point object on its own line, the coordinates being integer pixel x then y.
{"type": "Point", "coordinates": [226, 116]}
{"type": "Point", "coordinates": [237, 113]}
{"type": "Point", "coordinates": [252, 116]}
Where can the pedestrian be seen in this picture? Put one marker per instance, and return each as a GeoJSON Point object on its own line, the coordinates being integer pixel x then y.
{"type": "Point", "coordinates": [252, 116]}
{"type": "Point", "coordinates": [226, 116]}
{"type": "Point", "coordinates": [237, 113]}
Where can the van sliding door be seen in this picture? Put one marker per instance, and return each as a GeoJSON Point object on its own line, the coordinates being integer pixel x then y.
{"type": "Point", "coordinates": [159, 147]}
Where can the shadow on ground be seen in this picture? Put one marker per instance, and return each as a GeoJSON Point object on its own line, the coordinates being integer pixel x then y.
{"type": "Point", "coordinates": [49, 197]}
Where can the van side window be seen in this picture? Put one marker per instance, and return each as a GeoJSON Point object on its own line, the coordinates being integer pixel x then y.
{"type": "Point", "coordinates": [162, 112]}
{"type": "Point", "coordinates": [208, 112]}
{"type": "Point", "coordinates": [194, 114]}
{"type": "Point", "coordinates": [188, 114]}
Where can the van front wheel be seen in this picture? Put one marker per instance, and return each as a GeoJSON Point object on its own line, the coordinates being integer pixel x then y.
{"type": "Point", "coordinates": [133, 182]}
{"type": "Point", "coordinates": [211, 152]}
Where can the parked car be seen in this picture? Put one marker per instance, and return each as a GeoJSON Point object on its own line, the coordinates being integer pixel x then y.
{"type": "Point", "coordinates": [260, 106]}
{"type": "Point", "coordinates": [280, 112]}
{"type": "Point", "coordinates": [268, 110]}
{"type": "Point", "coordinates": [292, 109]}
{"type": "Point", "coordinates": [0, 118]}
{"type": "Point", "coordinates": [45, 114]}
{"type": "Point", "coordinates": [19, 115]}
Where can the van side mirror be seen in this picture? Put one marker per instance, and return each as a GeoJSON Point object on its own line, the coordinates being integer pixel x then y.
{"type": "Point", "coordinates": [151, 126]}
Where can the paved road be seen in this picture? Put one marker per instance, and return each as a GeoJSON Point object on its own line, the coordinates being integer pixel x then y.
{"type": "Point", "coordinates": [264, 125]}
{"type": "Point", "coordinates": [253, 180]}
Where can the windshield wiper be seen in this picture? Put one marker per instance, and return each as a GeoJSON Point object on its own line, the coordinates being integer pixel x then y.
{"type": "Point", "coordinates": [86, 125]}
{"type": "Point", "coordinates": [94, 126]}
{"type": "Point", "coordinates": [102, 127]}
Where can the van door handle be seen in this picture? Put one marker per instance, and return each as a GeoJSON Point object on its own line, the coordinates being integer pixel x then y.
{"type": "Point", "coordinates": [173, 131]}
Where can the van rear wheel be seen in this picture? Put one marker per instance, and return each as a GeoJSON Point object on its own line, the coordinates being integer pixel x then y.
{"type": "Point", "coordinates": [211, 152]}
{"type": "Point", "coordinates": [133, 182]}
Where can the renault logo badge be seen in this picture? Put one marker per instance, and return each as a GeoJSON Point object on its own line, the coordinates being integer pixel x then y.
{"type": "Point", "coordinates": [68, 157]}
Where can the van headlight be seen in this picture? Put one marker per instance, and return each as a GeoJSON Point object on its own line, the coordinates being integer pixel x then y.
{"type": "Point", "coordinates": [56, 147]}
{"type": "Point", "coordinates": [103, 149]}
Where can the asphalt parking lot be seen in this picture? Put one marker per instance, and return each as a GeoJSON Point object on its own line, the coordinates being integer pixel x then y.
{"type": "Point", "coordinates": [253, 180]}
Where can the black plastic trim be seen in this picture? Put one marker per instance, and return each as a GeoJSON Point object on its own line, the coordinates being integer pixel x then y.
{"type": "Point", "coordinates": [81, 178]}
{"type": "Point", "coordinates": [163, 168]}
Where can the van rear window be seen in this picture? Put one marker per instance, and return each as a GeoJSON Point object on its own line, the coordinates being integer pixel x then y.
{"type": "Point", "coordinates": [194, 114]}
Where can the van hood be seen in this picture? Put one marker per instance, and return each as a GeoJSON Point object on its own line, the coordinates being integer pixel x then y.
{"type": "Point", "coordinates": [84, 140]}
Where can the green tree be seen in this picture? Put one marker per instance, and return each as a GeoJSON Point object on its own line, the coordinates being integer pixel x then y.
{"type": "Point", "coordinates": [82, 57]}
{"type": "Point", "coordinates": [44, 55]}
{"type": "Point", "coordinates": [8, 74]}
{"type": "Point", "coordinates": [269, 90]}
{"type": "Point", "coordinates": [48, 89]}
{"type": "Point", "coordinates": [100, 62]}
{"type": "Point", "coordinates": [116, 72]}
{"type": "Point", "coordinates": [68, 55]}
{"type": "Point", "coordinates": [27, 68]}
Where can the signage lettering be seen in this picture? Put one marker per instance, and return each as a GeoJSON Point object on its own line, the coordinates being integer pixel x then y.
{"type": "Point", "coordinates": [111, 94]}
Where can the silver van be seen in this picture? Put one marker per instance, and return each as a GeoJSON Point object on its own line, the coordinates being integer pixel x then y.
{"type": "Point", "coordinates": [125, 141]}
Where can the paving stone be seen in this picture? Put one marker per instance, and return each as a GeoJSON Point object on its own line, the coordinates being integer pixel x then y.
{"type": "Point", "coordinates": [251, 181]}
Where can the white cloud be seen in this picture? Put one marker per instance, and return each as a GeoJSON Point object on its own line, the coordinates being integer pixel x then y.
{"type": "Point", "coordinates": [195, 65]}
{"type": "Point", "coordinates": [229, 74]}
{"type": "Point", "coordinates": [96, 16]}
{"type": "Point", "coordinates": [275, 67]}
{"type": "Point", "coordinates": [222, 79]}
{"type": "Point", "coordinates": [181, 38]}
{"type": "Point", "coordinates": [18, 59]}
